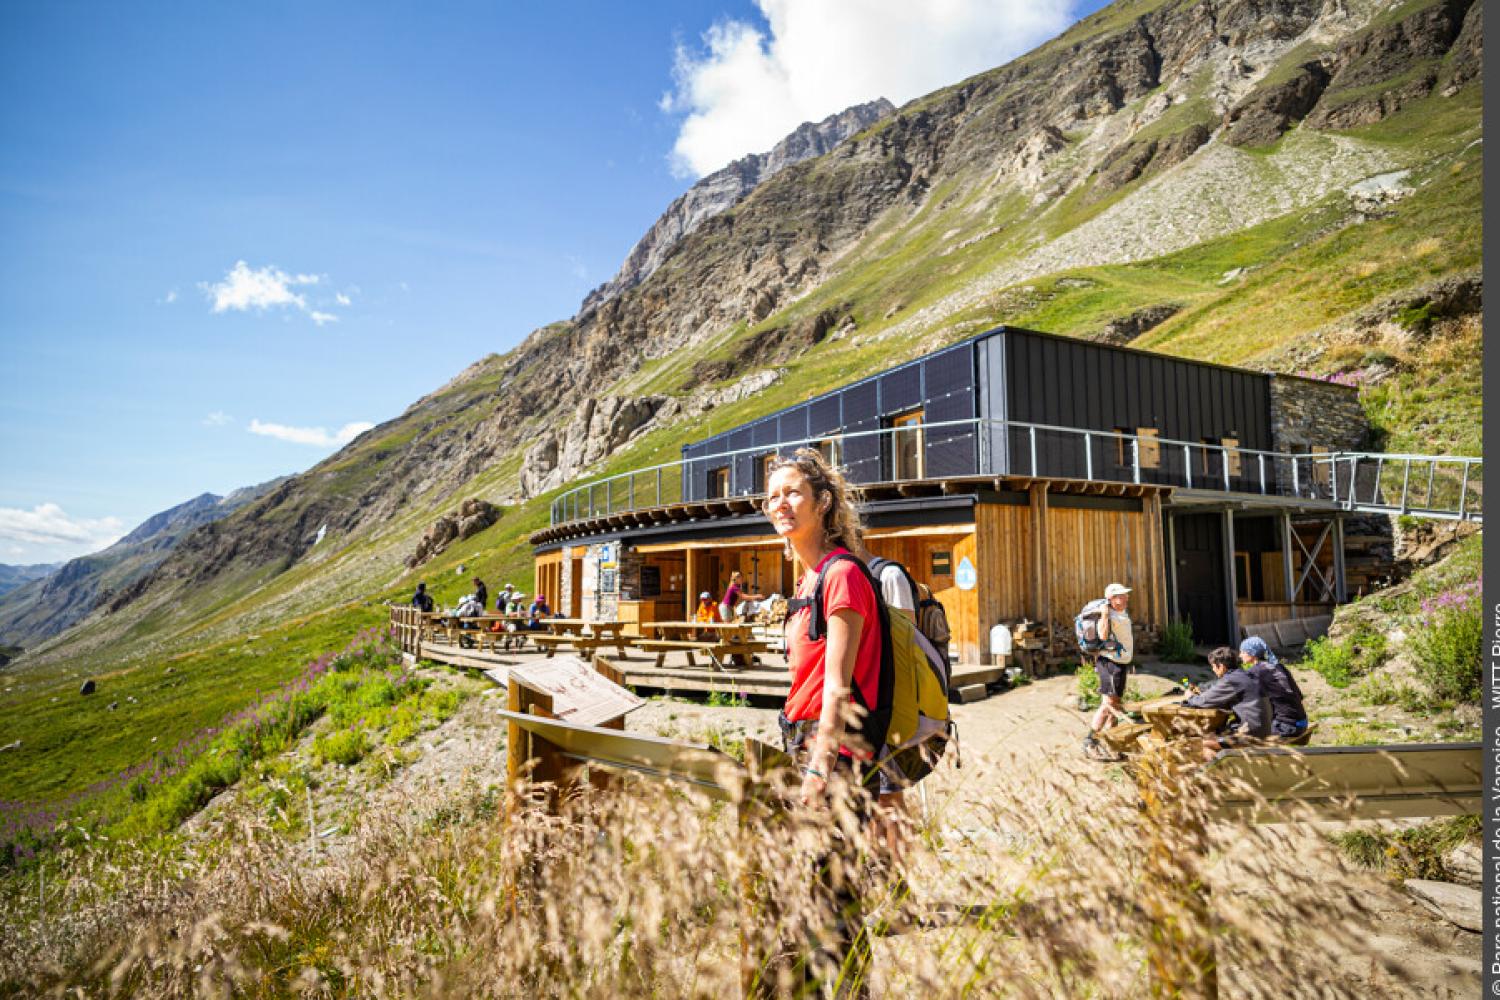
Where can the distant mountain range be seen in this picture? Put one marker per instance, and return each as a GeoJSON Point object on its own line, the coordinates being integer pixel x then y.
{"type": "Point", "coordinates": [39, 602]}
{"type": "Point", "coordinates": [12, 577]}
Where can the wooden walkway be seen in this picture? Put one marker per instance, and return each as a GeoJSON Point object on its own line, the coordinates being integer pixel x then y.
{"type": "Point", "coordinates": [639, 671]}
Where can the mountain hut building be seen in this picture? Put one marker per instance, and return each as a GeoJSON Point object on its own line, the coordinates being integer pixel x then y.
{"type": "Point", "coordinates": [1015, 473]}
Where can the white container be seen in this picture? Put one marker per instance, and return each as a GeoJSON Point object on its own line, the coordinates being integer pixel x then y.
{"type": "Point", "coordinates": [1000, 640]}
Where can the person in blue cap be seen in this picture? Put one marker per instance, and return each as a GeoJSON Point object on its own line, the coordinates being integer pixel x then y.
{"type": "Point", "coordinates": [1288, 716]}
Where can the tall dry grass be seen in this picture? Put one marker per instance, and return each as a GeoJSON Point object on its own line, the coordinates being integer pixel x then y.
{"type": "Point", "coordinates": [1056, 884]}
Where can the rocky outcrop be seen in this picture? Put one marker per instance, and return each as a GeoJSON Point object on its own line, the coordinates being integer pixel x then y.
{"type": "Point", "coordinates": [1261, 118]}
{"type": "Point", "coordinates": [472, 517]}
{"type": "Point", "coordinates": [1385, 69]}
{"type": "Point", "coordinates": [723, 189]}
{"type": "Point", "coordinates": [1123, 330]}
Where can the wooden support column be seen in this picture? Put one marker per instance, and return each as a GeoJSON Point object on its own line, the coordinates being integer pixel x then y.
{"type": "Point", "coordinates": [1231, 574]}
{"type": "Point", "coordinates": [1286, 561]}
{"type": "Point", "coordinates": [690, 581]}
{"type": "Point", "coordinates": [1041, 566]}
{"type": "Point", "coordinates": [1340, 579]}
{"type": "Point", "coordinates": [1173, 611]}
{"type": "Point", "coordinates": [1157, 610]}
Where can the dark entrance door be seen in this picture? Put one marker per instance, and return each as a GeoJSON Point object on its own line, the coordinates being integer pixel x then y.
{"type": "Point", "coordinates": [1200, 575]}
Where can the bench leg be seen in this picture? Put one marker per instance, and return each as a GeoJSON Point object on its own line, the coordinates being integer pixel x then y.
{"type": "Point", "coordinates": [661, 659]}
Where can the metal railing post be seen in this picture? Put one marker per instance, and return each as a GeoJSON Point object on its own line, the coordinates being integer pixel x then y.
{"type": "Point", "coordinates": [1463, 492]}
{"type": "Point", "coordinates": [1031, 431]}
{"type": "Point", "coordinates": [1187, 465]}
{"type": "Point", "coordinates": [1405, 485]}
{"type": "Point", "coordinates": [1135, 459]}
{"type": "Point", "coordinates": [658, 486]}
{"type": "Point", "coordinates": [1088, 456]}
{"type": "Point", "coordinates": [1333, 476]}
{"type": "Point", "coordinates": [1296, 485]}
{"type": "Point", "coordinates": [1260, 462]}
{"type": "Point", "coordinates": [1224, 460]}
{"type": "Point", "coordinates": [609, 496]}
{"type": "Point", "coordinates": [1431, 474]}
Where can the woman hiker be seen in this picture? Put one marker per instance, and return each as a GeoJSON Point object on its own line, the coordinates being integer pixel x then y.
{"type": "Point", "coordinates": [809, 507]}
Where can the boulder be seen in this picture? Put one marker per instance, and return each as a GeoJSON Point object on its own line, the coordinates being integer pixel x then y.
{"type": "Point", "coordinates": [88, 687]}
{"type": "Point", "coordinates": [1457, 904]}
{"type": "Point", "coordinates": [1465, 863]}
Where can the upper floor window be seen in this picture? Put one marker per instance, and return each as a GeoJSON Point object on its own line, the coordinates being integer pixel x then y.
{"type": "Point", "coordinates": [908, 454]}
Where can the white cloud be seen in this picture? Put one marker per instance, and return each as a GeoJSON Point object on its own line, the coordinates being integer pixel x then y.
{"type": "Point", "coordinates": [47, 532]}
{"type": "Point", "coordinates": [746, 90]}
{"type": "Point", "coordinates": [342, 299]}
{"type": "Point", "coordinates": [322, 317]}
{"type": "Point", "coordinates": [170, 297]}
{"type": "Point", "coordinates": [317, 436]}
{"type": "Point", "coordinates": [218, 418]}
{"type": "Point", "coordinates": [245, 288]}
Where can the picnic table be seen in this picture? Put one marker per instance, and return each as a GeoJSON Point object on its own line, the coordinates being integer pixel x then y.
{"type": "Point", "coordinates": [582, 635]}
{"type": "Point", "coordinates": [476, 627]}
{"type": "Point", "coordinates": [732, 643]}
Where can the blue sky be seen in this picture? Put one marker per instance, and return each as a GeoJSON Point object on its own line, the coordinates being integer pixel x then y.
{"type": "Point", "coordinates": [410, 187]}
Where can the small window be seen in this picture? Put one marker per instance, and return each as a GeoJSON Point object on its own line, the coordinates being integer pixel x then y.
{"type": "Point", "coordinates": [718, 482]}
{"type": "Point", "coordinates": [1141, 438]}
{"type": "Point", "coordinates": [832, 450]}
{"type": "Point", "coordinates": [908, 456]}
{"type": "Point", "coordinates": [764, 471]}
{"type": "Point", "coordinates": [942, 563]}
{"type": "Point", "coordinates": [1232, 454]}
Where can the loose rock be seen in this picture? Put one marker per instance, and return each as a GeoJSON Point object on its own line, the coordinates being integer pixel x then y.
{"type": "Point", "coordinates": [1457, 904]}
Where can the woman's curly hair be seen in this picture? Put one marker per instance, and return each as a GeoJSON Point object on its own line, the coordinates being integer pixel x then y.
{"type": "Point", "coordinates": [841, 521]}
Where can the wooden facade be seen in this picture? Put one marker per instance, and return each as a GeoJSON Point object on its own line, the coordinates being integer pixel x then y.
{"type": "Point", "coordinates": [1007, 557]}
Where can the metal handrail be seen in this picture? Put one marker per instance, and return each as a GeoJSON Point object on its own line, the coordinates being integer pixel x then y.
{"type": "Point", "coordinates": [1332, 476]}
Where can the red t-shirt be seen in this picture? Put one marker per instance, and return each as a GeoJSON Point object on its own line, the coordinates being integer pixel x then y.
{"type": "Point", "coordinates": [844, 587]}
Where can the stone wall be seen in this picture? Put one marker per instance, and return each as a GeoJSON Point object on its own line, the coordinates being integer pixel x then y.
{"type": "Point", "coordinates": [1309, 415]}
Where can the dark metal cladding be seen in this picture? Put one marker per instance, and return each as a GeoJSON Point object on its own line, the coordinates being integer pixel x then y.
{"type": "Point", "coordinates": [1033, 378]}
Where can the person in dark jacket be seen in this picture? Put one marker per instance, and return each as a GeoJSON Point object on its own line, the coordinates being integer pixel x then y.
{"type": "Point", "coordinates": [1288, 717]}
{"type": "Point", "coordinates": [481, 593]}
{"type": "Point", "coordinates": [422, 600]}
{"type": "Point", "coordinates": [1238, 691]}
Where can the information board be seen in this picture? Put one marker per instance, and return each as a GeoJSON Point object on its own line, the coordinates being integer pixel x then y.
{"type": "Point", "coordinates": [580, 694]}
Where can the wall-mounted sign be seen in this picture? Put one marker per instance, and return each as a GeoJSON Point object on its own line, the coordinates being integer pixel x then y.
{"type": "Point", "coordinates": [609, 555]}
{"type": "Point", "coordinates": [967, 576]}
{"type": "Point", "coordinates": [942, 564]}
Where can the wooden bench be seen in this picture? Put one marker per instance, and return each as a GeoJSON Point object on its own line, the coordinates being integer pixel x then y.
{"type": "Point", "coordinates": [582, 643]}
{"type": "Point", "coordinates": [718, 651]}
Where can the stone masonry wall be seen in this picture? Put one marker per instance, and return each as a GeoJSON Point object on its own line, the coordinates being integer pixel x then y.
{"type": "Point", "coordinates": [1307, 414]}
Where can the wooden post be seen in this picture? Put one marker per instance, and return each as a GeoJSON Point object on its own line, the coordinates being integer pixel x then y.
{"type": "Point", "coordinates": [1173, 611]}
{"type": "Point", "coordinates": [1340, 578]}
{"type": "Point", "coordinates": [1289, 581]}
{"type": "Point", "coordinates": [690, 581]}
{"type": "Point", "coordinates": [1231, 574]}
{"type": "Point", "coordinates": [1041, 582]}
{"type": "Point", "coordinates": [522, 748]}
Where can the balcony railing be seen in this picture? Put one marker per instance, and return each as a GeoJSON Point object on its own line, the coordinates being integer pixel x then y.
{"type": "Point", "coordinates": [1441, 486]}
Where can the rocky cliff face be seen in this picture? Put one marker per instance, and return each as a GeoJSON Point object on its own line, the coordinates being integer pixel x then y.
{"type": "Point", "coordinates": [723, 189]}
{"type": "Point", "coordinates": [1128, 138]}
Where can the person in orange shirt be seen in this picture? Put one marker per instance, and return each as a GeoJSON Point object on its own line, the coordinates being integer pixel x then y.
{"type": "Point", "coordinates": [708, 611]}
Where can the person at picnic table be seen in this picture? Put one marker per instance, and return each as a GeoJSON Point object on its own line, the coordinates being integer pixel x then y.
{"type": "Point", "coordinates": [1237, 691]}
{"type": "Point", "coordinates": [733, 595]}
{"type": "Point", "coordinates": [481, 593]}
{"type": "Point", "coordinates": [1288, 716]}
{"type": "Point", "coordinates": [707, 614]}
{"type": "Point", "coordinates": [537, 612]}
{"type": "Point", "coordinates": [504, 598]}
{"type": "Point", "coordinates": [469, 607]}
{"type": "Point", "coordinates": [422, 600]}
{"type": "Point", "coordinates": [808, 505]}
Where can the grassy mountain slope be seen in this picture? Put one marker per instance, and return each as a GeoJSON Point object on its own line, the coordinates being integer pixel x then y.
{"type": "Point", "coordinates": [1089, 180]}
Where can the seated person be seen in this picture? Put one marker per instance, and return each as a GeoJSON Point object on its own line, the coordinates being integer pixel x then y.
{"type": "Point", "coordinates": [504, 598]}
{"type": "Point", "coordinates": [1288, 717]}
{"type": "Point", "coordinates": [537, 612]}
{"type": "Point", "coordinates": [1237, 691]}
{"type": "Point", "coordinates": [469, 607]}
{"type": "Point", "coordinates": [708, 611]}
{"type": "Point", "coordinates": [422, 600]}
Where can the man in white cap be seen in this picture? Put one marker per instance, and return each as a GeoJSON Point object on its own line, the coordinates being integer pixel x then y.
{"type": "Point", "coordinates": [1111, 663]}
